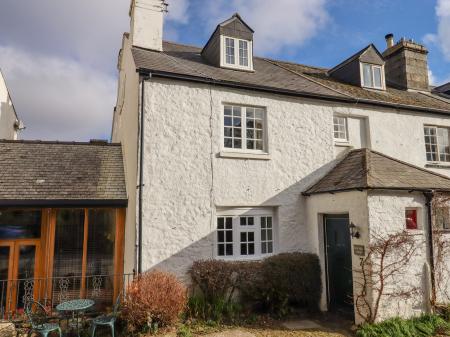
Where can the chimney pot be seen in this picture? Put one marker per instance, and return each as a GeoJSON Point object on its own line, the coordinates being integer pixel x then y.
{"type": "Point", "coordinates": [389, 40]}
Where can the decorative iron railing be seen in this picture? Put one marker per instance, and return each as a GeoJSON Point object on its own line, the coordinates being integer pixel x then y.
{"type": "Point", "coordinates": [50, 292]}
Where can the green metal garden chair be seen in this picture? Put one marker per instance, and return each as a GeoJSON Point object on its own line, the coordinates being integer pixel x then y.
{"type": "Point", "coordinates": [107, 320]}
{"type": "Point", "coordinates": [37, 315]}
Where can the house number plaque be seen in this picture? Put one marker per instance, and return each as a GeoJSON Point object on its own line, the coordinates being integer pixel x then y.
{"type": "Point", "coordinates": [359, 250]}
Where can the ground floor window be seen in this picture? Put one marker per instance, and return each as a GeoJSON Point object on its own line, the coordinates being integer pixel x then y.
{"type": "Point", "coordinates": [245, 233]}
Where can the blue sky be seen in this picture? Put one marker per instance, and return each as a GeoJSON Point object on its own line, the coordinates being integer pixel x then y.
{"type": "Point", "coordinates": [59, 57]}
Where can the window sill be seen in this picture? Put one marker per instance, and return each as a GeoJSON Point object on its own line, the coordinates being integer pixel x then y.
{"type": "Point", "coordinates": [244, 258]}
{"type": "Point", "coordinates": [342, 143]}
{"type": "Point", "coordinates": [437, 165]}
{"type": "Point", "coordinates": [244, 155]}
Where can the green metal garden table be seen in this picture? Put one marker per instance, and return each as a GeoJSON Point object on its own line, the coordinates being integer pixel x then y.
{"type": "Point", "coordinates": [75, 307]}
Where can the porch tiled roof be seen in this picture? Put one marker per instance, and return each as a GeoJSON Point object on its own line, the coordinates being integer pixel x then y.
{"type": "Point", "coordinates": [366, 169]}
{"type": "Point", "coordinates": [45, 172]}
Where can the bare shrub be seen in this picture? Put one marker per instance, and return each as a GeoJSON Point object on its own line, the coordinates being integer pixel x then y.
{"type": "Point", "coordinates": [153, 299]}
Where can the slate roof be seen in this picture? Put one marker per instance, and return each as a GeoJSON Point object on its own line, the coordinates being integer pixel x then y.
{"type": "Point", "coordinates": [41, 173]}
{"type": "Point", "coordinates": [185, 62]}
{"type": "Point", "coordinates": [366, 169]}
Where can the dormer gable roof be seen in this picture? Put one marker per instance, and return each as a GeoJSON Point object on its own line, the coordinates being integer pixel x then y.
{"type": "Point", "coordinates": [236, 22]}
{"type": "Point", "coordinates": [369, 54]}
{"type": "Point", "coordinates": [235, 26]}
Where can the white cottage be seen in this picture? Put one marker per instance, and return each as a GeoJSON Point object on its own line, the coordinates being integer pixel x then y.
{"type": "Point", "coordinates": [9, 122]}
{"type": "Point", "coordinates": [233, 156]}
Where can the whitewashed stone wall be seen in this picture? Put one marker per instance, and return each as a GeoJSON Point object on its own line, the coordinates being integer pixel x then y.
{"type": "Point", "coordinates": [387, 216]}
{"type": "Point", "coordinates": [186, 179]}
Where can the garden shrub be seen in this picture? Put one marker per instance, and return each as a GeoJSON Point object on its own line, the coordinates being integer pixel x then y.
{"type": "Point", "coordinates": [216, 279]}
{"type": "Point", "coordinates": [423, 326]}
{"type": "Point", "coordinates": [154, 299]}
{"type": "Point", "coordinates": [267, 285]}
{"type": "Point", "coordinates": [294, 276]}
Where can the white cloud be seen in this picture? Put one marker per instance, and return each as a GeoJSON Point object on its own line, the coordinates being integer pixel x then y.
{"type": "Point", "coordinates": [277, 24]}
{"type": "Point", "coordinates": [443, 34]}
{"type": "Point", "coordinates": [178, 11]}
{"type": "Point", "coordinates": [58, 98]}
{"type": "Point", "coordinates": [431, 78]}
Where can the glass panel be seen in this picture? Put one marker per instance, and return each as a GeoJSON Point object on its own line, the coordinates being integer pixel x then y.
{"type": "Point", "coordinates": [27, 258]}
{"type": "Point", "coordinates": [411, 219]}
{"type": "Point", "coordinates": [20, 224]}
{"type": "Point", "coordinates": [229, 51]}
{"type": "Point", "coordinates": [377, 77]}
{"type": "Point", "coordinates": [243, 53]}
{"type": "Point", "coordinates": [4, 273]}
{"type": "Point", "coordinates": [69, 236]}
{"type": "Point", "coordinates": [367, 75]}
{"type": "Point", "coordinates": [100, 254]}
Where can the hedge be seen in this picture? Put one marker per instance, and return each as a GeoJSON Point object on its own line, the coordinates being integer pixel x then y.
{"type": "Point", "coordinates": [268, 285]}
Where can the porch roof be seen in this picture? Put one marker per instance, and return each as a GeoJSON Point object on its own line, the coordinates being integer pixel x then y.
{"type": "Point", "coordinates": [364, 169]}
{"type": "Point", "coordinates": [38, 173]}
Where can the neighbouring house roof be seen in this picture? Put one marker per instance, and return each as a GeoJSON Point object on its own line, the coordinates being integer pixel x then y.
{"type": "Point", "coordinates": [185, 63]}
{"type": "Point", "coordinates": [38, 173]}
{"type": "Point", "coordinates": [443, 89]}
{"type": "Point", "coordinates": [364, 169]}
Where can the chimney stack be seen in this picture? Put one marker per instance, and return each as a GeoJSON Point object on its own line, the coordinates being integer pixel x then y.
{"type": "Point", "coordinates": [389, 40]}
{"type": "Point", "coordinates": [147, 23]}
{"type": "Point", "coordinates": [406, 64]}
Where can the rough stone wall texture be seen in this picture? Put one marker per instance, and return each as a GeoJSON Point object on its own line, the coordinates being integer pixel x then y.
{"type": "Point", "coordinates": [186, 179]}
{"type": "Point", "coordinates": [387, 216]}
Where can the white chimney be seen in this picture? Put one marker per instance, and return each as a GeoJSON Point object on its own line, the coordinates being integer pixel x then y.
{"type": "Point", "coordinates": [147, 23]}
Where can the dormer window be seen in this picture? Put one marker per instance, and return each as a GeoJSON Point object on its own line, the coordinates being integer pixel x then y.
{"type": "Point", "coordinates": [236, 53]}
{"type": "Point", "coordinates": [231, 45]}
{"type": "Point", "coordinates": [372, 76]}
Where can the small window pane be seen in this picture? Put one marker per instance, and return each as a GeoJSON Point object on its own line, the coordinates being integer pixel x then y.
{"type": "Point", "coordinates": [224, 236]}
{"type": "Point", "coordinates": [229, 51]}
{"type": "Point", "coordinates": [411, 219]}
{"type": "Point", "coordinates": [377, 77]}
{"type": "Point", "coordinates": [243, 53]}
{"type": "Point", "coordinates": [367, 75]}
{"type": "Point", "coordinates": [228, 132]}
{"type": "Point", "coordinates": [20, 224]}
{"type": "Point", "coordinates": [340, 128]}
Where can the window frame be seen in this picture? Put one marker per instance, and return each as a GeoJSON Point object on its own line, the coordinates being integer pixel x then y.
{"type": "Point", "coordinates": [236, 64]}
{"type": "Point", "coordinates": [341, 140]}
{"type": "Point", "coordinates": [244, 149]}
{"type": "Point", "coordinates": [236, 214]}
{"type": "Point", "coordinates": [437, 145]}
{"type": "Point", "coordinates": [372, 72]}
{"type": "Point", "coordinates": [418, 211]}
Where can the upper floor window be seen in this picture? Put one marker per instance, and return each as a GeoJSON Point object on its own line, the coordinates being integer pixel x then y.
{"type": "Point", "coordinates": [244, 128]}
{"type": "Point", "coordinates": [372, 76]}
{"type": "Point", "coordinates": [340, 129]}
{"type": "Point", "coordinates": [437, 143]}
{"type": "Point", "coordinates": [245, 233]}
{"type": "Point", "coordinates": [237, 53]}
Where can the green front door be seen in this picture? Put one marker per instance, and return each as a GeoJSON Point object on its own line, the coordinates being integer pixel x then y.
{"type": "Point", "coordinates": [339, 263]}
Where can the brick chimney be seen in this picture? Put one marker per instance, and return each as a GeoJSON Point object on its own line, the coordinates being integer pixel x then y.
{"type": "Point", "coordinates": [406, 64]}
{"type": "Point", "coordinates": [147, 23]}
